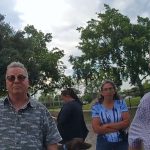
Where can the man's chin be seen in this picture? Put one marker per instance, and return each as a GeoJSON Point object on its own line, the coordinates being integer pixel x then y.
{"type": "Point", "coordinates": [17, 92]}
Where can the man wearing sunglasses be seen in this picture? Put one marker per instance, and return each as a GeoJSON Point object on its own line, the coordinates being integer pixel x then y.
{"type": "Point", "coordinates": [25, 124]}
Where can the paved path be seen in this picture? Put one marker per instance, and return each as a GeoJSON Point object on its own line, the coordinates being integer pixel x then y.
{"type": "Point", "coordinates": [91, 138]}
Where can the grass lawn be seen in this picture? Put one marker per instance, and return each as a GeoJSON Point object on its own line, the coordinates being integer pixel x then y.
{"type": "Point", "coordinates": [87, 113]}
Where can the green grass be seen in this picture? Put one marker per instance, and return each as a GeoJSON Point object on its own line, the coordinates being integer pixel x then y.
{"type": "Point", "coordinates": [130, 102]}
{"type": "Point", "coordinates": [133, 101]}
{"type": "Point", "coordinates": [87, 114]}
{"type": "Point", "coordinates": [87, 108]}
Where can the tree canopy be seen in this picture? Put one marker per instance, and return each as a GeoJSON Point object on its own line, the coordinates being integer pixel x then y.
{"type": "Point", "coordinates": [113, 48]}
{"type": "Point", "coordinates": [29, 46]}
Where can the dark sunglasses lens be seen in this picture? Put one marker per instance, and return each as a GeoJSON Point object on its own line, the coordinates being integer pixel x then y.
{"type": "Point", "coordinates": [19, 78]}
{"type": "Point", "coordinates": [11, 78]}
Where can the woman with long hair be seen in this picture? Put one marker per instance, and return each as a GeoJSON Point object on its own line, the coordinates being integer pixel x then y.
{"type": "Point", "coordinates": [70, 120]}
{"type": "Point", "coordinates": [110, 117]}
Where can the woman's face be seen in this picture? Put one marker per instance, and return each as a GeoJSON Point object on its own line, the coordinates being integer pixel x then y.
{"type": "Point", "coordinates": [108, 90]}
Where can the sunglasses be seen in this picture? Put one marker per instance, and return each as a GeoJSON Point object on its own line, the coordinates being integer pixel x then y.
{"type": "Point", "coordinates": [12, 78]}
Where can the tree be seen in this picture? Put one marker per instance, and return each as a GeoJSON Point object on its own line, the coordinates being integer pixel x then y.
{"type": "Point", "coordinates": [115, 48]}
{"type": "Point", "coordinates": [146, 85]}
{"type": "Point", "coordinates": [29, 46]}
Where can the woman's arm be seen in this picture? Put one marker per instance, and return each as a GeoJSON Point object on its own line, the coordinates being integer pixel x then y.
{"type": "Point", "coordinates": [99, 128]}
{"type": "Point", "coordinates": [121, 124]}
{"type": "Point", "coordinates": [52, 147]}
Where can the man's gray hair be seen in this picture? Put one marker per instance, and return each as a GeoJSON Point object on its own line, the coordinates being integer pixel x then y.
{"type": "Point", "coordinates": [19, 65]}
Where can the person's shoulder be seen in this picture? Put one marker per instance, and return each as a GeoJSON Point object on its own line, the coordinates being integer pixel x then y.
{"type": "Point", "coordinates": [96, 104]}
{"type": "Point", "coordinates": [145, 99]}
{"type": "Point", "coordinates": [120, 101]}
{"type": "Point", "coordinates": [74, 104]}
{"type": "Point", "coordinates": [146, 96]}
{"type": "Point", "coordinates": [2, 100]}
{"type": "Point", "coordinates": [36, 104]}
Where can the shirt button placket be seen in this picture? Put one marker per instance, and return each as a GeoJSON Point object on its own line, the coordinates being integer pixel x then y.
{"type": "Point", "coordinates": [18, 128]}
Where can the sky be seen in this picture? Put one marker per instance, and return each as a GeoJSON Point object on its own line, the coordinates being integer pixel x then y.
{"type": "Point", "coordinates": [62, 17]}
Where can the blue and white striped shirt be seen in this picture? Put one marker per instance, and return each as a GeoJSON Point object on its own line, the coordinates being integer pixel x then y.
{"type": "Point", "coordinates": [110, 116]}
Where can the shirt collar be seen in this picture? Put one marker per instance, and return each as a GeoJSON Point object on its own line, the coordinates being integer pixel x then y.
{"type": "Point", "coordinates": [31, 103]}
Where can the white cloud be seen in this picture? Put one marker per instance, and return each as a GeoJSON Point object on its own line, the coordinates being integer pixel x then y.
{"type": "Point", "coordinates": [44, 14]}
{"type": "Point", "coordinates": [62, 17]}
{"type": "Point", "coordinates": [59, 17]}
{"type": "Point", "coordinates": [11, 16]}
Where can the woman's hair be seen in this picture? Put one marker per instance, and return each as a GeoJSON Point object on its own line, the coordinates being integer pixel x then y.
{"type": "Point", "coordinates": [71, 93]}
{"type": "Point", "coordinates": [116, 96]}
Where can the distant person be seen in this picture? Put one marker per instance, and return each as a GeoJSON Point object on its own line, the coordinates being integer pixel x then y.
{"type": "Point", "coordinates": [70, 120]}
{"type": "Point", "coordinates": [139, 131]}
{"type": "Point", "coordinates": [110, 117]}
{"type": "Point", "coordinates": [25, 124]}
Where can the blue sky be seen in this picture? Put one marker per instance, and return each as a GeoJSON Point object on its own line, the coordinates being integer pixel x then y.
{"type": "Point", "coordinates": [62, 17]}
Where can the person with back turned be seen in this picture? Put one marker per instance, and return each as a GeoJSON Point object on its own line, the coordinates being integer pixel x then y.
{"type": "Point", "coordinates": [70, 122]}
